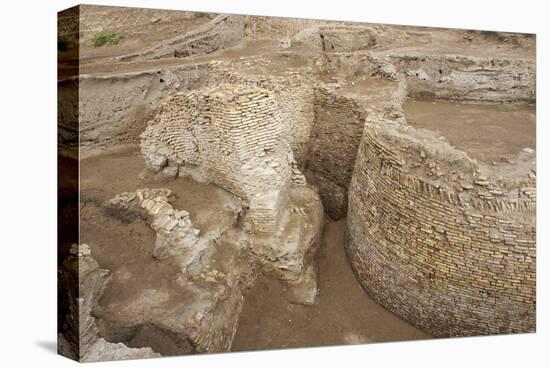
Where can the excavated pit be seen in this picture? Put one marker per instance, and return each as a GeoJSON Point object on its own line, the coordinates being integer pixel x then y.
{"type": "Point", "coordinates": [419, 142]}
{"type": "Point", "coordinates": [123, 244]}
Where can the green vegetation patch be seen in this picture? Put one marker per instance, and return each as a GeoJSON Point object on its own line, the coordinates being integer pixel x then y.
{"type": "Point", "coordinates": [103, 38]}
{"type": "Point", "coordinates": [507, 108]}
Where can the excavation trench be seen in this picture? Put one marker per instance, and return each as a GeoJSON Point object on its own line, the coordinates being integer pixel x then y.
{"type": "Point", "coordinates": [418, 141]}
{"type": "Point", "coordinates": [343, 313]}
{"type": "Point", "coordinates": [493, 134]}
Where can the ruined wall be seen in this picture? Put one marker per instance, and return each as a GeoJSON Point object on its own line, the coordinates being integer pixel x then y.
{"type": "Point", "coordinates": [335, 137]}
{"type": "Point", "coordinates": [115, 109]}
{"type": "Point", "coordinates": [346, 38]}
{"type": "Point", "coordinates": [221, 32]}
{"type": "Point", "coordinates": [175, 232]}
{"type": "Point", "coordinates": [451, 261]}
{"type": "Point", "coordinates": [341, 111]}
{"type": "Point", "coordinates": [451, 77]}
{"type": "Point", "coordinates": [294, 93]}
{"type": "Point", "coordinates": [468, 78]}
{"type": "Point", "coordinates": [231, 136]}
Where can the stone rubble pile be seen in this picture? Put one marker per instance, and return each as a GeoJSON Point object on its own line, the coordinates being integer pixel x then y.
{"type": "Point", "coordinates": [216, 270]}
{"type": "Point", "coordinates": [287, 251]}
{"type": "Point", "coordinates": [176, 235]}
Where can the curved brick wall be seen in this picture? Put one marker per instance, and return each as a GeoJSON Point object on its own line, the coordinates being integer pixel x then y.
{"type": "Point", "coordinates": [451, 264]}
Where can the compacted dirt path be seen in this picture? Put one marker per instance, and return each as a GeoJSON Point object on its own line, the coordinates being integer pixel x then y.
{"type": "Point", "coordinates": [344, 313]}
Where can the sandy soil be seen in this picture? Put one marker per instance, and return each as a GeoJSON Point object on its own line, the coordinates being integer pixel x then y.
{"type": "Point", "coordinates": [106, 175]}
{"type": "Point", "coordinates": [249, 49]}
{"type": "Point", "coordinates": [423, 41]}
{"type": "Point", "coordinates": [344, 314]}
{"type": "Point", "coordinates": [123, 243]}
{"type": "Point", "coordinates": [138, 28]}
{"type": "Point", "coordinates": [481, 130]}
{"type": "Point", "coordinates": [142, 28]}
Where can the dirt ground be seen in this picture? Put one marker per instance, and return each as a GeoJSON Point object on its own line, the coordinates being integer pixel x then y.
{"type": "Point", "coordinates": [143, 28]}
{"type": "Point", "coordinates": [344, 313]}
{"type": "Point", "coordinates": [484, 131]}
{"type": "Point", "coordinates": [124, 244]}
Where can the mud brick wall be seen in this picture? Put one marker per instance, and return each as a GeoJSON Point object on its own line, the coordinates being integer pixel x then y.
{"type": "Point", "coordinates": [346, 38]}
{"type": "Point", "coordinates": [220, 32]}
{"type": "Point", "coordinates": [262, 27]}
{"type": "Point", "coordinates": [468, 78]}
{"type": "Point", "coordinates": [229, 135]}
{"type": "Point", "coordinates": [294, 93]}
{"type": "Point", "coordinates": [448, 77]}
{"type": "Point", "coordinates": [450, 264]}
{"type": "Point", "coordinates": [335, 137]}
{"type": "Point", "coordinates": [249, 128]}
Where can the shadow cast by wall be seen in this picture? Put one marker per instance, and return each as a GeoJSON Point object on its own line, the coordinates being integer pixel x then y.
{"type": "Point", "coordinates": [48, 345]}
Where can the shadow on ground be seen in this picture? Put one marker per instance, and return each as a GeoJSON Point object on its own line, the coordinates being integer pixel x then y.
{"type": "Point", "coordinates": [48, 345]}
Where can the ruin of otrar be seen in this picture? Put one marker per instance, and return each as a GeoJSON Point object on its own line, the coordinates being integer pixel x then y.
{"type": "Point", "coordinates": [228, 162]}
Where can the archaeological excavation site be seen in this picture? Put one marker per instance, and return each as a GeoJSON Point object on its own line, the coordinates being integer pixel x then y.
{"type": "Point", "coordinates": [235, 183]}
